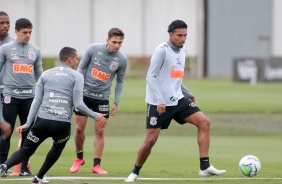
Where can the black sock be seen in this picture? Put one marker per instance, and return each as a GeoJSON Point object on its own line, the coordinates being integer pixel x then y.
{"type": "Point", "coordinates": [97, 161]}
{"type": "Point", "coordinates": [79, 155]}
{"type": "Point", "coordinates": [136, 169]}
{"type": "Point", "coordinates": [204, 163]}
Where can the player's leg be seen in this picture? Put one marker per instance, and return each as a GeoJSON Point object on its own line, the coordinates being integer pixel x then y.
{"type": "Point", "coordinates": [35, 137]}
{"type": "Point", "coordinates": [23, 114]}
{"type": "Point", "coordinates": [144, 152]}
{"type": "Point", "coordinates": [101, 106]}
{"type": "Point", "coordinates": [60, 132]}
{"type": "Point", "coordinates": [154, 123]}
{"type": "Point", "coordinates": [5, 127]}
{"type": "Point", "coordinates": [79, 136]}
{"type": "Point", "coordinates": [79, 139]}
{"type": "Point", "coordinates": [6, 130]}
{"type": "Point", "coordinates": [146, 148]}
{"type": "Point", "coordinates": [203, 125]}
{"type": "Point", "coordinates": [10, 112]}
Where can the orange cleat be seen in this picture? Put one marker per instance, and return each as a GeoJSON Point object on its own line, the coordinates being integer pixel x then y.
{"type": "Point", "coordinates": [77, 163]}
{"type": "Point", "coordinates": [98, 170]}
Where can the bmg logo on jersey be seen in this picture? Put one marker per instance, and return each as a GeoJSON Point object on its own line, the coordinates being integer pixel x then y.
{"type": "Point", "coordinates": [22, 68]}
{"type": "Point", "coordinates": [100, 75]}
{"type": "Point", "coordinates": [31, 137]}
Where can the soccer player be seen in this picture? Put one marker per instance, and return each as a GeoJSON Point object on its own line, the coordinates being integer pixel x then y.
{"type": "Point", "coordinates": [23, 65]}
{"type": "Point", "coordinates": [99, 65]}
{"type": "Point", "coordinates": [4, 38]}
{"type": "Point", "coordinates": [57, 91]}
{"type": "Point", "coordinates": [168, 99]}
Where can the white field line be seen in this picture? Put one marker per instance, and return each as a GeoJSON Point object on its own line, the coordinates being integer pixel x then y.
{"type": "Point", "coordinates": [148, 179]}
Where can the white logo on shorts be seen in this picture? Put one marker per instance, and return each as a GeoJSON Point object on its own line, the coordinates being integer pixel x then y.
{"type": "Point", "coordinates": [7, 99]}
{"type": "Point", "coordinates": [192, 104]}
{"type": "Point", "coordinates": [31, 137]}
{"type": "Point", "coordinates": [153, 121]}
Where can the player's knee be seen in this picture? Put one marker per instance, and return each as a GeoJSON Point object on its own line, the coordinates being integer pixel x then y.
{"type": "Point", "coordinates": [79, 131]}
{"type": "Point", "coordinates": [99, 133]}
{"type": "Point", "coordinates": [151, 142]}
{"type": "Point", "coordinates": [205, 124]}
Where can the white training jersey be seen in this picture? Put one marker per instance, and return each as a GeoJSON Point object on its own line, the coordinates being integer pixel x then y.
{"type": "Point", "coordinates": [165, 75]}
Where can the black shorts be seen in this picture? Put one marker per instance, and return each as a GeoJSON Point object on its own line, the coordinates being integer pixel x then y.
{"type": "Point", "coordinates": [182, 110]}
{"type": "Point", "coordinates": [13, 107]}
{"type": "Point", "coordinates": [42, 129]}
{"type": "Point", "coordinates": [100, 106]}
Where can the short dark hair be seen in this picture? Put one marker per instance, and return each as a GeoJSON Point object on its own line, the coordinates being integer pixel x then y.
{"type": "Point", "coordinates": [176, 25]}
{"type": "Point", "coordinates": [115, 32]}
{"type": "Point", "coordinates": [66, 52]}
{"type": "Point", "coordinates": [23, 23]}
{"type": "Point", "coordinates": [3, 13]}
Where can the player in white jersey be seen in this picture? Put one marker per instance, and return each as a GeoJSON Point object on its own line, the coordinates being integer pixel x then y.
{"type": "Point", "coordinates": [100, 65]}
{"type": "Point", "coordinates": [58, 90]}
{"type": "Point", "coordinates": [168, 99]}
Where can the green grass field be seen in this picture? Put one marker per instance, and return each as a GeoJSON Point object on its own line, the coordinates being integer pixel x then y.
{"type": "Point", "coordinates": [245, 120]}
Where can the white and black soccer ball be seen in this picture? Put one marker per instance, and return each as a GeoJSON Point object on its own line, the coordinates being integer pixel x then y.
{"type": "Point", "coordinates": [249, 165]}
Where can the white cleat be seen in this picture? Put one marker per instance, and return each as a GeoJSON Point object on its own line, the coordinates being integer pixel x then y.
{"type": "Point", "coordinates": [211, 171]}
{"type": "Point", "coordinates": [131, 178]}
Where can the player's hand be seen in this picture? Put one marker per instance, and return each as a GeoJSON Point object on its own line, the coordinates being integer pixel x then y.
{"type": "Point", "coordinates": [193, 99]}
{"type": "Point", "coordinates": [21, 129]}
{"type": "Point", "coordinates": [113, 109]}
{"type": "Point", "coordinates": [101, 120]}
{"type": "Point", "coordinates": [6, 130]}
{"type": "Point", "coordinates": [161, 108]}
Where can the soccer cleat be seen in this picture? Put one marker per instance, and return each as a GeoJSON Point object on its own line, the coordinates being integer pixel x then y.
{"type": "Point", "coordinates": [37, 180]}
{"type": "Point", "coordinates": [98, 170]}
{"type": "Point", "coordinates": [211, 171]}
{"type": "Point", "coordinates": [77, 163]}
{"type": "Point", "coordinates": [131, 178]}
{"type": "Point", "coordinates": [25, 172]}
{"type": "Point", "coordinates": [3, 170]}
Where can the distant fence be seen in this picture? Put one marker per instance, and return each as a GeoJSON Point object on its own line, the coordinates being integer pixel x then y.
{"type": "Point", "coordinates": [255, 70]}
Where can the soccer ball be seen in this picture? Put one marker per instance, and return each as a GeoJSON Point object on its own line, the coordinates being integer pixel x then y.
{"type": "Point", "coordinates": [249, 165]}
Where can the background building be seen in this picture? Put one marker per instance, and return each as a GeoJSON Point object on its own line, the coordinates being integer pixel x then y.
{"type": "Point", "coordinates": [219, 31]}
